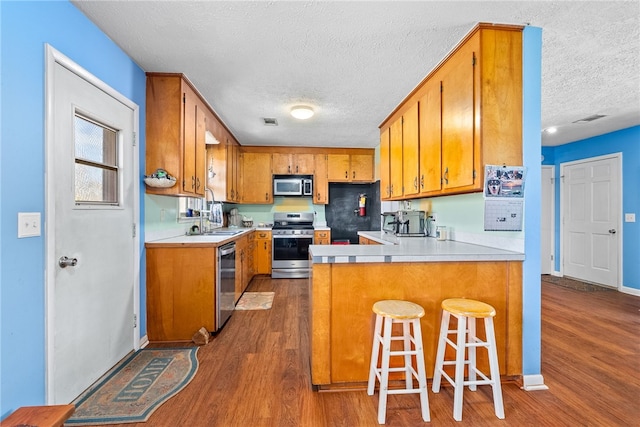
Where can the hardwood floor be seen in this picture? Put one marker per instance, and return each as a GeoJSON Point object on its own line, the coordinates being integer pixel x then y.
{"type": "Point", "coordinates": [256, 372]}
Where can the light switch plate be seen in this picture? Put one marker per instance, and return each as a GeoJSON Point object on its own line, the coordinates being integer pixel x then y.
{"type": "Point", "coordinates": [28, 224]}
{"type": "Point", "coordinates": [629, 217]}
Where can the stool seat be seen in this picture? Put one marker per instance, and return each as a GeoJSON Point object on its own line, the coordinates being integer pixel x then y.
{"type": "Point", "coordinates": [397, 309]}
{"type": "Point", "coordinates": [468, 308]}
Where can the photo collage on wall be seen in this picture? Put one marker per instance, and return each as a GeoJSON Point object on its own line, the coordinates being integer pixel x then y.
{"type": "Point", "coordinates": [503, 197]}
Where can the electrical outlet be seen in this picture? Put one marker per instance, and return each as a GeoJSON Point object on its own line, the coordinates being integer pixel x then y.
{"type": "Point", "coordinates": [629, 217]}
{"type": "Point", "coordinates": [28, 224]}
{"type": "Point", "coordinates": [434, 216]}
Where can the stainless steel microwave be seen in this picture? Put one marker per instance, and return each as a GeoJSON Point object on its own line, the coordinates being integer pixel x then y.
{"type": "Point", "coordinates": [292, 185]}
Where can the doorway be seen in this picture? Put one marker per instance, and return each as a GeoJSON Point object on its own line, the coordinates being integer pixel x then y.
{"type": "Point", "coordinates": [91, 220]}
{"type": "Point", "coordinates": [547, 214]}
{"type": "Point", "coordinates": [591, 204]}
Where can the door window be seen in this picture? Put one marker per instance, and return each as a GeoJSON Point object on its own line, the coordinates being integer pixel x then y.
{"type": "Point", "coordinates": [96, 162]}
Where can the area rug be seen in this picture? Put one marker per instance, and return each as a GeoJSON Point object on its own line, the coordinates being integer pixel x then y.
{"type": "Point", "coordinates": [136, 388]}
{"type": "Point", "coordinates": [255, 301]}
{"type": "Point", "coordinates": [573, 284]}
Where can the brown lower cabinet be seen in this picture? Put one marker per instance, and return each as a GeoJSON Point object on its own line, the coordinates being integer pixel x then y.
{"type": "Point", "coordinates": [342, 322]}
{"type": "Point", "coordinates": [180, 292]}
{"type": "Point", "coordinates": [181, 284]}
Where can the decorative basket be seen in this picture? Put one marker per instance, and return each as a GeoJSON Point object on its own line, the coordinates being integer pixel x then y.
{"type": "Point", "coordinates": [159, 182]}
{"type": "Point", "coordinates": [160, 179]}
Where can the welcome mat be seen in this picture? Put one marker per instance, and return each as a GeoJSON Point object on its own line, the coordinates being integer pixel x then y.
{"type": "Point", "coordinates": [573, 284]}
{"type": "Point", "coordinates": [137, 387]}
{"type": "Point", "coordinates": [255, 301]}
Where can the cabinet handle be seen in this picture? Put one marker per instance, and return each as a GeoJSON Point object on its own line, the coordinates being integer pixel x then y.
{"type": "Point", "coordinates": [289, 168]}
{"type": "Point", "coordinates": [446, 175]}
{"type": "Point", "coordinates": [346, 174]}
{"type": "Point", "coordinates": [193, 182]}
{"type": "Point", "coordinates": [266, 196]}
{"type": "Point", "coordinates": [296, 168]}
{"type": "Point", "coordinates": [197, 183]}
{"type": "Point", "coordinates": [422, 182]}
{"type": "Point", "coordinates": [415, 182]}
{"type": "Point", "coordinates": [354, 174]}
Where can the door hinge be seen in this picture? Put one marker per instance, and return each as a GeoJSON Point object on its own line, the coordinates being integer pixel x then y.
{"type": "Point", "coordinates": [135, 320]}
{"type": "Point", "coordinates": [135, 141]}
{"type": "Point", "coordinates": [134, 230]}
{"type": "Point", "coordinates": [473, 61]}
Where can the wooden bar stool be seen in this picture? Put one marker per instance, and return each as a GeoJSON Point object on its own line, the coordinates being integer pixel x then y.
{"type": "Point", "coordinates": [467, 311]}
{"type": "Point", "coordinates": [408, 314]}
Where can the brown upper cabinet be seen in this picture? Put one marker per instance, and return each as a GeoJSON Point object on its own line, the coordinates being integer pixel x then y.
{"type": "Point", "coordinates": [320, 180]}
{"type": "Point", "coordinates": [465, 114]}
{"type": "Point", "coordinates": [350, 167]}
{"type": "Point", "coordinates": [175, 134]}
{"type": "Point", "coordinates": [293, 164]}
{"type": "Point", "coordinates": [257, 185]}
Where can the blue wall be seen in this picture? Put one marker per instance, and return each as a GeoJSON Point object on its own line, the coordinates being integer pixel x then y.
{"type": "Point", "coordinates": [627, 142]}
{"type": "Point", "coordinates": [25, 28]}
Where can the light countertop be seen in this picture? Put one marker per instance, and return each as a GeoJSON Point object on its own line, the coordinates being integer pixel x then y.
{"type": "Point", "coordinates": [200, 239]}
{"type": "Point", "coordinates": [407, 249]}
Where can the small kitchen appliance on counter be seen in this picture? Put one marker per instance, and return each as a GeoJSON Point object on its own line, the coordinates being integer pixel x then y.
{"type": "Point", "coordinates": [404, 223]}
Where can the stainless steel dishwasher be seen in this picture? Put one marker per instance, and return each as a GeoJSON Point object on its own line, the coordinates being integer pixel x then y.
{"type": "Point", "coordinates": [225, 283]}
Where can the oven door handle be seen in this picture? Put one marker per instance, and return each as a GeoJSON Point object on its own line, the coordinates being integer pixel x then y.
{"type": "Point", "coordinates": [292, 236]}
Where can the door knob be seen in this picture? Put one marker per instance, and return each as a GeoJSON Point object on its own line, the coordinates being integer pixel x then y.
{"type": "Point", "coordinates": [612, 231]}
{"type": "Point", "coordinates": [67, 262]}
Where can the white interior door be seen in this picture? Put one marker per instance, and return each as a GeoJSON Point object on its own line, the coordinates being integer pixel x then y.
{"type": "Point", "coordinates": [546, 221]}
{"type": "Point", "coordinates": [591, 197]}
{"type": "Point", "coordinates": [91, 220]}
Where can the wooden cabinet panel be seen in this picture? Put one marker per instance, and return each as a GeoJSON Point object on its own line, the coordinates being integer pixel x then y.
{"type": "Point", "coordinates": [320, 180]}
{"type": "Point", "coordinates": [232, 158]}
{"type": "Point", "coordinates": [322, 237]}
{"type": "Point", "coordinates": [458, 117]}
{"type": "Point", "coordinates": [293, 164]}
{"type": "Point", "coordinates": [263, 252]}
{"type": "Point", "coordinates": [175, 132]}
{"type": "Point", "coordinates": [410, 156]}
{"type": "Point", "coordinates": [385, 162]}
{"type": "Point", "coordinates": [257, 185]}
{"type": "Point", "coordinates": [338, 166]}
{"type": "Point", "coordinates": [430, 138]}
{"type": "Point", "coordinates": [361, 167]}
{"type": "Point", "coordinates": [350, 167]}
{"type": "Point", "coordinates": [180, 292]}
{"type": "Point", "coordinates": [396, 159]}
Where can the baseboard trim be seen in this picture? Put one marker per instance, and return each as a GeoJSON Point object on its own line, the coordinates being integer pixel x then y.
{"type": "Point", "coordinates": [533, 383]}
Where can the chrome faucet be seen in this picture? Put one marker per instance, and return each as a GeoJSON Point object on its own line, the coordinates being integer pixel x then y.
{"type": "Point", "coordinates": [209, 211]}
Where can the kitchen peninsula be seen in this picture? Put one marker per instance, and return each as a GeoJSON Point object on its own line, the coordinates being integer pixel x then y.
{"type": "Point", "coordinates": [348, 279]}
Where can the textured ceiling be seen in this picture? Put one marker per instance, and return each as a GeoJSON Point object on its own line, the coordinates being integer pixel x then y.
{"type": "Point", "coordinates": [354, 62]}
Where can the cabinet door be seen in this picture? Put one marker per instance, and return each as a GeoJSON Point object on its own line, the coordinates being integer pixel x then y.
{"type": "Point", "coordinates": [257, 185]}
{"type": "Point", "coordinates": [189, 141]}
{"type": "Point", "coordinates": [410, 158]}
{"type": "Point", "coordinates": [361, 166]}
{"type": "Point", "coordinates": [395, 167]}
{"type": "Point", "coordinates": [263, 252]}
{"type": "Point", "coordinates": [458, 118]}
{"type": "Point", "coordinates": [232, 172]}
{"type": "Point", "coordinates": [430, 138]}
{"type": "Point", "coordinates": [282, 163]}
{"type": "Point", "coordinates": [385, 179]}
{"type": "Point", "coordinates": [338, 166]}
{"type": "Point", "coordinates": [322, 237]}
{"type": "Point", "coordinates": [303, 164]}
{"type": "Point", "coordinates": [320, 180]}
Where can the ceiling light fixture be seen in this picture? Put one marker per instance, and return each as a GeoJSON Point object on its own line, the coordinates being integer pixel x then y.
{"type": "Point", "coordinates": [301, 112]}
{"type": "Point", "coordinates": [552, 129]}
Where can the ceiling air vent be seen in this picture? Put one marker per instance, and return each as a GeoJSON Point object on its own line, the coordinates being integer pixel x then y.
{"type": "Point", "coordinates": [590, 118]}
{"type": "Point", "coordinates": [269, 121]}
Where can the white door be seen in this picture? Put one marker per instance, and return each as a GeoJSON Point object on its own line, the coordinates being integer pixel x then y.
{"type": "Point", "coordinates": [91, 221]}
{"type": "Point", "coordinates": [591, 197]}
{"type": "Point", "coordinates": [546, 221]}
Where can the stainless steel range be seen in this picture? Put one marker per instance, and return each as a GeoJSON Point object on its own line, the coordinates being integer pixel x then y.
{"type": "Point", "coordinates": [292, 235]}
